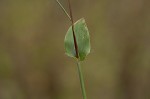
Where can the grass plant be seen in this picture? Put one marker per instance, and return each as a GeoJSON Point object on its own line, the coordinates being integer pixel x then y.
{"type": "Point", "coordinates": [77, 42]}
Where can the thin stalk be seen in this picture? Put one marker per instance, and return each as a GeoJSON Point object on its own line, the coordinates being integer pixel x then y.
{"type": "Point", "coordinates": [81, 80]}
{"type": "Point", "coordinates": [72, 23]}
{"type": "Point", "coordinates": [64, 9]}
{"type": "Point", "coordinates": [73, 31]}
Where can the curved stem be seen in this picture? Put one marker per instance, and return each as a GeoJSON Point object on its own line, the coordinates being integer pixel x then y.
{"type": "Point", "coordinates": [81, 80]}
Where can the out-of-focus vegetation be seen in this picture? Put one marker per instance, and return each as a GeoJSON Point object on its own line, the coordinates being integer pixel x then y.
{"type": "Point", "coordinates": [32, 60]}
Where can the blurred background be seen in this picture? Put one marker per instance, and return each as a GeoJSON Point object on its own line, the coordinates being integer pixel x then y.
{"type": "Point", "coordinates": [33, 64]}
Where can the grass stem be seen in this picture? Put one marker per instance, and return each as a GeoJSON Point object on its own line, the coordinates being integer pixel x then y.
{"type": "Point", "coordinates": [64, 10]}
{"type": "Point", "coordinates": [81, 80]}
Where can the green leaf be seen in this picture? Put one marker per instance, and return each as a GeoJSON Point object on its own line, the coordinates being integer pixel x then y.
{"type": "Point", "coordinates": [82, 38]}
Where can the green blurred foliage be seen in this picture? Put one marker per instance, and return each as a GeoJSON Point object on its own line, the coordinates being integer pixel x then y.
{"type": "Point", "coordinates": [33, 64]}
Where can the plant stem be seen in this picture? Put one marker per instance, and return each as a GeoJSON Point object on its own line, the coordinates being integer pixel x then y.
{"type": "Point", "coordinates": [64, 10]}
{"type": "Point", "coordinates": [81, 80]}
{"type": "Point", "coordinates": [73, 31]}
